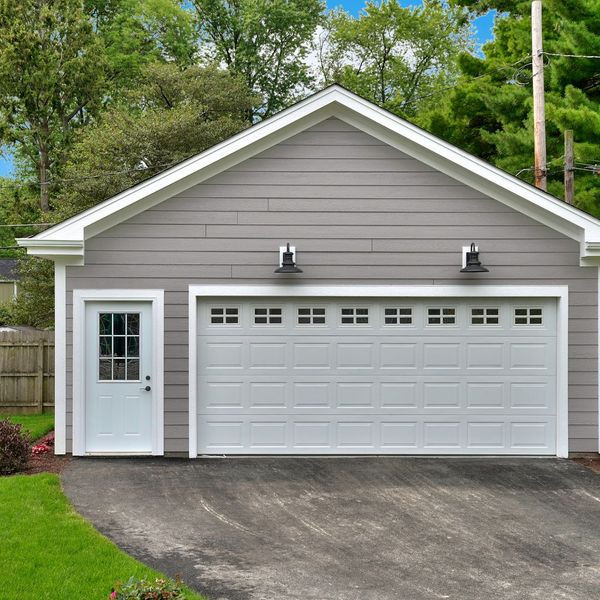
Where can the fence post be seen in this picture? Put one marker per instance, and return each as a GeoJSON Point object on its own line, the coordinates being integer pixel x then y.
{"type": "Point", "coordinates": [39, 384]}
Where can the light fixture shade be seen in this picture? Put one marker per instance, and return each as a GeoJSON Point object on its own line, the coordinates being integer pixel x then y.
{"type": "Point", "coordinates": [287, 263]}
{"type": "Point", "coordinates": [473, 263]}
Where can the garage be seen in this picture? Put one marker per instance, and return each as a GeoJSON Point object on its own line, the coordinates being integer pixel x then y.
{"type": "Point", "coordinates": [376, 375]}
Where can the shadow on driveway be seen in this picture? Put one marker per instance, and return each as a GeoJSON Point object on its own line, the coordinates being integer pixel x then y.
{"type": "Point", "coordinates": [353, 528]}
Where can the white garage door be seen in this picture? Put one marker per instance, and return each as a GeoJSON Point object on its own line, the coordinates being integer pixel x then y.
{"type": "Point", "coordinates": [381, 376]}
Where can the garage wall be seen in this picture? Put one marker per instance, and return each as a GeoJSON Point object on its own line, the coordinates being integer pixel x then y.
{"type": "Point", "coordinates": [358, 211]}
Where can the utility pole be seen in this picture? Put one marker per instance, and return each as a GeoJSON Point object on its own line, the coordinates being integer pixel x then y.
{"type": "Point", "coordinates": [569, 167]}
{"type": "Point", "coordinates": [539, 116]}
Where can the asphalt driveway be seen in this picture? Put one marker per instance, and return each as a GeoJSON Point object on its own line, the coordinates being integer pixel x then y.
{"type": "Point", "coordinates": [353, 528]}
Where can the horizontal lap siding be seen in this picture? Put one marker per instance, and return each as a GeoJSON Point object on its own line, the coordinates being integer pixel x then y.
{"type": "Point", "coordinates": [359, 212]}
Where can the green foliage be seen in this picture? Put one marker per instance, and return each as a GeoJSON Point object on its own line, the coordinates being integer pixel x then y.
{"type": "Point", "coordinates": [171, 115]}
{"type": "Point", "coordinates": [490, 112]}
{"type": "Point", "coordinates": [142, 589]}
{"type": "Point", "coordinates": [51, 80]}
{"type": "Point", "coordinates": [136, 33]}
{"type": "Point", "coordinates": [34, 305]}
{"type": "Point", "coordinates": [264, 41]}
{"type": "Point", "coordinates": [18, 205]}
{"type": "Point", "coordinates": [49, 551]}
{"type": "Point", "coordinates": [394, 56]}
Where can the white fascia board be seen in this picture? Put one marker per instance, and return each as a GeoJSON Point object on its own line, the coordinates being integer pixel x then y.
{"type": "Point", "coordinates": [338, 102]}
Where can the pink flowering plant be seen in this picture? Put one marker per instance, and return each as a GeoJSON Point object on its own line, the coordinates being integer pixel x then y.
{"type": "Point", "coordinates": [143, 589]}
{"type": "Point", "coordinates": [43, 447]}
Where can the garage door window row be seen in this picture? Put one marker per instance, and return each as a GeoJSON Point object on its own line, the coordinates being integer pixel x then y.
{"type": "Point", "coordinates": [438, 316]}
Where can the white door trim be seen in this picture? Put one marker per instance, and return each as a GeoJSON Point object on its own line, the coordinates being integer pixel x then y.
{"type": "Point", "coordinates": [80, 297]}
{"type": "Point", "coordinates": [560, 292]}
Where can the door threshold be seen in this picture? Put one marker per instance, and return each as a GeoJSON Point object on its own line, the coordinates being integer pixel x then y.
{"type": "Point", "coordinates": [118, 454]}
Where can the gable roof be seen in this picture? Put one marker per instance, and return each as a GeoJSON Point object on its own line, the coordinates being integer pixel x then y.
{"type": "Point", "coordinates": [67, 239]}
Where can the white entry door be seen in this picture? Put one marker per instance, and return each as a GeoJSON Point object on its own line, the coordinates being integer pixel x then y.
{"type": "Point", "coordinates": [377, 376]}
{"type": "Point", "coordinates": [118, 361]}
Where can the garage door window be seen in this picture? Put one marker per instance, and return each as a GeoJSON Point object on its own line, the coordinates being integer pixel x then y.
{"type": "Point", "coordinates": [220, 315]}
{"type": "Point", "coordinates": [445, 315]}
{"type": "Point", "coordinates": [485, 316]}
{"type": "Point", "coordinates": [528, 316]}
{"type": "Point", "coordinates": [268, 316]}
{"type": "Point", "coordinates": [311, 316]}
{"type": "Point", "coordinates": [355, 316]}
{"type": "Point", "coordinates": [397, 316]}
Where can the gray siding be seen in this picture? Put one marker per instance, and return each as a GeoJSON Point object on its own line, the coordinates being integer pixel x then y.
{"type": "Point", "coordinates": [359, 211]}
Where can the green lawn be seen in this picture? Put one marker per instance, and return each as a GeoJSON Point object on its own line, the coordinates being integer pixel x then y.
{"type": "Point", "coordinates": [36, 425]}
{"type": "Point", "coordinates": [49, 552]}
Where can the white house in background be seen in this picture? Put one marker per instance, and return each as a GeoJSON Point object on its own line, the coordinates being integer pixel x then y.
{"type": "Point", "coordinates": [175, 335]}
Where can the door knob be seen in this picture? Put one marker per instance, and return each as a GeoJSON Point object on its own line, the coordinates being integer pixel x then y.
{"type": "Point", "coordinates": [146, 389]}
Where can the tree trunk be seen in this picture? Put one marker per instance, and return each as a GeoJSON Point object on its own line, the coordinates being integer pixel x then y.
{"type": "Point", "coordinates": [44, 165]}
{"type": "Point", "coordinates": [44, 170]}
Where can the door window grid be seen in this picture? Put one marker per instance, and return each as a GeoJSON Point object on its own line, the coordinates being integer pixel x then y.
{"type": "Point", "coordinates": [119, 346]}
{"type": "Point", "coordinates": [311, 316]}
{"type": "Point", "coordinates": [397, 316]}
{"type": "Point", "coordinates": [220, 315]}
{"type": "Point", "coordinates": [354, 316]}
{"type": "Point", "coordinates": [486, 315]}
{"type": "Point", "coordinates": [528, 316]}
{"type": "Point", "coordinates": [445, 315]}
{"type": "Point", "coordinates": [268, 316]}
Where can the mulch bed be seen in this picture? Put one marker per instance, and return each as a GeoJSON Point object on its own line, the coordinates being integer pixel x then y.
{"type": "Point", "coordinates": [591, 462]}
{"type": "Point", "coordinates": [46, 462]}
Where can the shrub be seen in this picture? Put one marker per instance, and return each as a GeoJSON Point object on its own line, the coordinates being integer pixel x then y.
{"type": "Point", "coordinates": [142, 589]}
{"type": "Point", "coordinates": [15, 448]}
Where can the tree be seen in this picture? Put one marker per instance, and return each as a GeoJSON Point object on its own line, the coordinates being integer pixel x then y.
{"type": "Point", "coordinates": [394, 56]}
{"type": "Point", "coordinates": [489, 113]}
{"type": "Point", "coordinates": [264, 41]}
{"type": "Point", "coordinates": [52, 76]}
{"type": "Point", "coordinates": [171, 115]}
{"type": "Point", "coordinates": [136, 33]}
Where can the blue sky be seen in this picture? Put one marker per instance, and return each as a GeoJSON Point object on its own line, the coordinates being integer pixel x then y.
{"type": "Point", "coordinates": [483, 26]}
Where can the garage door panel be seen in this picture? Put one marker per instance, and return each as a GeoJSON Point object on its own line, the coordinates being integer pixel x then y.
{"type": "Point", "coordinates": [409, 394]}
{"type": "Point", "coordinates": [532, 356]}
{"type": "Point", "coordinates": [340, 355]}
{"type": "Point", "coordinates": [311, 355]}
{"type": "Point", "coordinates": [384, 381]}
{"type": "Point", "coordinates": [355, 435]}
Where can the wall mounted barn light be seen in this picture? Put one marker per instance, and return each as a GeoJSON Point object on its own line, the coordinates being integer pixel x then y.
{"type": "Point", "coordinates": [471, 263]}
{"type": "Point", "coordinates": [286, 260]}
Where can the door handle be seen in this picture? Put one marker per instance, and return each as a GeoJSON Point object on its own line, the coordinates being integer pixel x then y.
{"type": "Point", "coordinates": [146, 389]}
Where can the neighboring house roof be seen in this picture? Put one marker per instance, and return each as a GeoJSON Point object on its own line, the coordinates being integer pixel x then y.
{"type": "Point", "coordinates": [66, 240]}
{"type": "Point", "coordinates": [8, 269]}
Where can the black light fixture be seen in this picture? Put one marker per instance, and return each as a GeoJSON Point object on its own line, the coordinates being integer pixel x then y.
{"type": "Point", "coordinates": [473, 264]}
{"type": "Point", "coordinates": [287, 262]}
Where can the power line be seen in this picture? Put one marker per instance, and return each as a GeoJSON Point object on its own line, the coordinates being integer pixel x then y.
{"type": "Point", "coordinates": [571, 55]}
{"type": "Point", "coordinates": [87, 177]}
{"type": "Point", "coordinates": [490, 71]}
{"type": "Point", "coordinates": [27, 225]}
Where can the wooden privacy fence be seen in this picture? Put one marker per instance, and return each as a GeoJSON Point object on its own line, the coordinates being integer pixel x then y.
{"type": "Point", "coordinates": [26, 371]}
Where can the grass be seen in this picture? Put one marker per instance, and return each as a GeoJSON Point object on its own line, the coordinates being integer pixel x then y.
{"type": "Point", "coordinates": [36, 425]}
{"type": "Point", "coordinates": [49, 552]}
